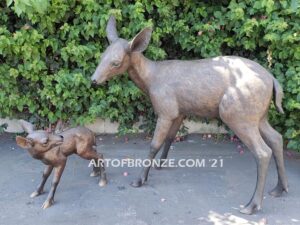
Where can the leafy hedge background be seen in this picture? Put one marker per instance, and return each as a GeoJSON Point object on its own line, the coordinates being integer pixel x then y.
{"type": "Point", "coordinates": [49, 50]}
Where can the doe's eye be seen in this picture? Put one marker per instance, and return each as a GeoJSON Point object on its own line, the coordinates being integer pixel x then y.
{"type": "Point", "coordinates": [116, 64]}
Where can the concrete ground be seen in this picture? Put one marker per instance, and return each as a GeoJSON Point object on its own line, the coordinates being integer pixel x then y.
{"type": "Point", "coordinates": [206, 195]}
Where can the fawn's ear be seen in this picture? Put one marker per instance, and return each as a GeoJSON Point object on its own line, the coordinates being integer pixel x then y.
{"type": "Point", "coordinates": [111, 30]}
{"type": "Point", "coordinates": [23, 142]}
{"type": "Point", "coordinates": [140, 42]}
{"type": "Point", "coordinates": [27, 127]}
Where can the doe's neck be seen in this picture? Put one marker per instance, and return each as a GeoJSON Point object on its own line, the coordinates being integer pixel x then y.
{"type": "Point", "coordinates": [140, 71]}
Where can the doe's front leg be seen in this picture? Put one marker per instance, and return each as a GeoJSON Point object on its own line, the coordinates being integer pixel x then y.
{"type": "Point", "coordinates": [169, 139]}
{"type": "Point", "coordinates": [160, 133]}
{"type": "Point", "coordinates": [58, 170]}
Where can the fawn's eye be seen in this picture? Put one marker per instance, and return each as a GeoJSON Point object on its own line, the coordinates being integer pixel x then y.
{"type": "Point", "coordinates": [45, 142]}
{"type": "Point", "coordinates": [31, 141]}
{"type": "Point", "coordinates": [116, 64]}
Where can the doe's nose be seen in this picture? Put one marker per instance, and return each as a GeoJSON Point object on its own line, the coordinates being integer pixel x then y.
{"type": "Point", "coordinates": [94, 83]}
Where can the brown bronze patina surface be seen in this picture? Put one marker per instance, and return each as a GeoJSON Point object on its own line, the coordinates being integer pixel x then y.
{"type": "Point", "coordinates": [53, 150]}
{"type": "Point", "coordinates": [236, 90]}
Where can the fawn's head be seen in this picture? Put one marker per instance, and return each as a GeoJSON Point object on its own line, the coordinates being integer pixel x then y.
{"type": "Point", "coordinates": [116, 58]}
{"type": "Point", "coordinates": [39, 140]}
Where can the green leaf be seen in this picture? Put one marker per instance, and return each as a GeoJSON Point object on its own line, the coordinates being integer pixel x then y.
{"type": "Point", "coordinates": [9, 2]}
{"type": "Point", "coordinates": [294, 5]}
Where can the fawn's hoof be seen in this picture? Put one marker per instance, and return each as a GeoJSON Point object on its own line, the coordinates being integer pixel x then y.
{"type": "Point", "coordinates": [250, 208]}
{"type": "Point", "coordinates": [102, 183]}
{"type": "Point", "coordinates": [137, 183]}
{"type": "Point", "coordinates": [95, 174]}
{"type": "Point", "coordinates": [35, 194]}
{"type": "Point", "coordinates": [47, 204]}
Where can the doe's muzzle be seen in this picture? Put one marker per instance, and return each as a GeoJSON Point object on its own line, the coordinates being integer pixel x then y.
{"type": "Point", "coordinates": [94, 83]}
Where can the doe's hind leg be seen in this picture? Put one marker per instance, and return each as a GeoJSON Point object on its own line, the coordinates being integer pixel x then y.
{"type": "Point", "coordinates": [242, 108]}
{"type": "Point", "coordinates": [274, 141]}
{"type": "Point", "coordinates": [249, 134]}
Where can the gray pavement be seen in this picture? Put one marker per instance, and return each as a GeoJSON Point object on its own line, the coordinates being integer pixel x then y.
{"type": "Point", "coordinates": [206, 195]}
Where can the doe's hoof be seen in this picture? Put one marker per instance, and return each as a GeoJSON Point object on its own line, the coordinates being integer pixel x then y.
{"type": "Point", "coordinates": [250, 209]}
{"type": "Point", "coordinates": [137, 183]}
{"type": "Point", "coordinates": [158, 167]}
{"type": "Point", "coordinates": [35, 194]}
{"type": "Point", "coordinates": [47, 204]}
{"type": "Point", "coordinates": [277, 191]}
{"type": "Point", "coordinates": [102, 183]}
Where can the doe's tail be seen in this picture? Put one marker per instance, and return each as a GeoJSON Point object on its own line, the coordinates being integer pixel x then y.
{"type": "Point", "coordinates": [278, 95]}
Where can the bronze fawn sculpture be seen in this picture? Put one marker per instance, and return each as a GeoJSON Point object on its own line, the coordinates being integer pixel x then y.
{"type": "Point", "coordinates": [236, 90]}
{"type": "Point", "coordinates": [53, 150]}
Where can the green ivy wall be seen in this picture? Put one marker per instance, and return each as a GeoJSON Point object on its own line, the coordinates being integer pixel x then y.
{"type": "Point", "coordinates": [49, 50]}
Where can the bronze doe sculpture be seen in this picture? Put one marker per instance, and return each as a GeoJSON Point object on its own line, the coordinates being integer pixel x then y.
{"type": "Point", "coordinates": [236, 90]}
{"type": "Point", "coordinates": [53, 151]}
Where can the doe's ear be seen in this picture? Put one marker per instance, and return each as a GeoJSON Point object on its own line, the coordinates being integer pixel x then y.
{"type": "Point", "coordinates": [23, 142]}
{"type": "Point", "coordinates": [111, 30]}
{"type": "Point", "coordinates": [28, 127]}
{"type": "Point", "coordinates": [140, 42]}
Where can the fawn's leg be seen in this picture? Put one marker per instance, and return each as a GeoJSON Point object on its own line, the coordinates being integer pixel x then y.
{"type": "Point", "coordinates": [58, 170]}
{"type": "Point", "coordinates": [103, 179]}
{"type": "Point", "coordinates": [96, 169]}
{"type": "Point", "coordinates": [40, 189]}
{"type": "Point", "coordinates": [90, 154]}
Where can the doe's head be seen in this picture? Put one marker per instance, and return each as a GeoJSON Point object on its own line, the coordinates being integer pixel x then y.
{"type": "Point", "coordinates": [39, 140]}
{"type": "Point", "coordinates": [116, 58]}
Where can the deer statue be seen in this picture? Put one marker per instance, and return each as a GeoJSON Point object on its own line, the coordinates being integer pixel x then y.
{"type": "Point", "coordinates": [236, 90]}
{"type": "Point", "coordinates": [53, 150]}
